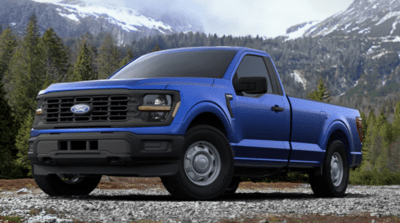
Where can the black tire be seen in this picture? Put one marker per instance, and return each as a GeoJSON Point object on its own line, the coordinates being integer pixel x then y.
{"type": "Point", "coordinates": [325, 186]}
{"type": "Point", "coordinates": [202, 141]}
{"type": "Point", "coordinates": [54, 186]}
{"type": "Point", "coordinates": [233, 186]}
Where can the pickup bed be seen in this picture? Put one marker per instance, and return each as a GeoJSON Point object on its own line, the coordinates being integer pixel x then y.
{"type": "Point", "coordinates": [199, 118]}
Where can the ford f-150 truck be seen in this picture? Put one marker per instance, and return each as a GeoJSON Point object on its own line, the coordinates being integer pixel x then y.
{"type": "Point", "coordinates": [199, 118]}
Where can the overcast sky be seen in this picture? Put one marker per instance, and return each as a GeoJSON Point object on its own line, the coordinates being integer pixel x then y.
{"type": "Point", "coordinates": [268, 18]}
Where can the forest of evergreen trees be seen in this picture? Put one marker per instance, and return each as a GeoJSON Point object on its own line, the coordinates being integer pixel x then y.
{"type": "Point", "coordinates": [33, 62]}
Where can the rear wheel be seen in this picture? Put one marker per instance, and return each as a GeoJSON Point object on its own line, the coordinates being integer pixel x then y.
{"type": "Point", "coordinates": [66, 184]}
{"type": "Point", "coordinates": [205, 168]}
{"type": "Point", "coordinates": [335, 177]}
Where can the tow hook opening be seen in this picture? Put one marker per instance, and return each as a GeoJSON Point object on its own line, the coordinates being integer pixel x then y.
{"type": "Point", "coordinates": [115, 161]}
{"type": "Point", "coordinates": [49, 161]}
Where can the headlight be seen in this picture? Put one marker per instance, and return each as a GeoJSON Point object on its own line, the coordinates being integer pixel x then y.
{"type": "Point", "coordinates": [156, 107]}
{"type": "Point", "coordinates": [41, 92]}
{"type": "Point", "coordinates": [39, 107]}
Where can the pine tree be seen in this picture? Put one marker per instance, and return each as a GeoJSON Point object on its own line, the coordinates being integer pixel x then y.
{"type": "Point", "coordinates": [396, 122]}
{"type": "Point", "coordinates": [156, 48]}
{"type": "Point", "coordinates": [8, 130]}
{"type": "Point", "coordinates": [83, 69]}
{"type": "Point", "coordinates": [385, 134]}
{"type": "Point", "coordinates": [127, 58]}
{"type": "Point", "coordinates": [394, 148]}
{"type": "Point", "coordinates": [109, 57]}
{"type": "Point", "coordinates": [377, 142]}
{"type": "Point", "coordinates": [26, 72]}
{"type": "Point", "coordinates": [364, 122]}
{"type": "Point", "coordinates": [394, 156]}
{"type": "Point", "coordinates": [367, 143]}
{"type": "Point", "coordinates": [22, 145]}
{"type": "Point", "coordinates": [8, 43]}
{"type": "Point", "coordinates": [364, 130]}
{"type": "Point", "coordinates": [321, 94]}
{"type": "Point", "coordinates": [381, 118]}
{"type": "Point", "coordinates": [379, 134]}
{"type": "Point", "coordinates": [26, 75]}
{"type": "Point", "coordinates": [56, 58]}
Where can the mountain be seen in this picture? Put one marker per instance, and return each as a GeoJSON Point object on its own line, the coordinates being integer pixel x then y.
{"type": "Point", "coordinates": [71, 18]}
{"type": "Point", "coordinates": [371, 18]}
{"type": "Point", "coordinates": [356, 50]}
{"type": "Point", "coordinates": [356, 66]}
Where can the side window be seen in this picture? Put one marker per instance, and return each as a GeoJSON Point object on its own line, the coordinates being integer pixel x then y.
{"type": "Point", "coordinates": [252, 66]}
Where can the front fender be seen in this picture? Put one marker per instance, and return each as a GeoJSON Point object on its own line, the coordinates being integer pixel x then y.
{"type": "Point", "coordinates": [211, 107]}
{"type": "Point", "coordinates": [338, 125]}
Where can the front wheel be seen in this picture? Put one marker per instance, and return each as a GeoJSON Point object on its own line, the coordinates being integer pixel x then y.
{"type": "Point", "coordinates": [205, 168]}
{"type": "Point", "coordinates": [335, 177]}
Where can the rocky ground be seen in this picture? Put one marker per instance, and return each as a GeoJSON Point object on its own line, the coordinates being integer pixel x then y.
{"type": "Point", "coordinates": [253, 202]}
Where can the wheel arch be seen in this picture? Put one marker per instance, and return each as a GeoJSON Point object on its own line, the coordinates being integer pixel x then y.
{"type": "Point", "coordinates": [338, 131]}
{"type": "Point", "coordinates": [207, 113]}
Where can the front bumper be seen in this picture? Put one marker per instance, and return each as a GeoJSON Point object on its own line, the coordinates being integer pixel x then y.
{"type": "Point", "coordinates": [110, 153]}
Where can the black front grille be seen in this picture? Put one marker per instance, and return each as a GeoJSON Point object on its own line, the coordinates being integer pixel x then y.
{"type": "Point", "coordinates": [103, 108]}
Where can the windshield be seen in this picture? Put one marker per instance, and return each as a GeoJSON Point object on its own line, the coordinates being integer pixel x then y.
{"type": "Point", "coordinates": [205, 63]}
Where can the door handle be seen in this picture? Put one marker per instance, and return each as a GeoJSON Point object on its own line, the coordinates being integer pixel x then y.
{"type": "Point", "coordinates": [276, 108]}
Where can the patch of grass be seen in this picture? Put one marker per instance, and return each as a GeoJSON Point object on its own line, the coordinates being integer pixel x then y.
{"type": "Point", "coordinates": [360, 176]}
{"type": "Point", "coordinates": [10, 219]}
{"type": "Point", "coordinates": [274, 219]}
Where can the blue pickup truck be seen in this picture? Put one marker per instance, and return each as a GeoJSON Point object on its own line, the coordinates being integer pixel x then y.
{"type": "Point", "coordinates": [199, 118]}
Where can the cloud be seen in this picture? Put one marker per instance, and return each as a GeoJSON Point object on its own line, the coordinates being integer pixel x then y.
{"type": "Point", "coordinates": [243, 17]}
{"type": "Point", "coordinates": [237, 17]}
{"type": "Point", "coordinates": [266, 18]}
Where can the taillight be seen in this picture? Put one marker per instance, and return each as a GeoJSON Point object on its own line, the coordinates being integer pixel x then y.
{"type": "Point", "coordinates": [359, 128]}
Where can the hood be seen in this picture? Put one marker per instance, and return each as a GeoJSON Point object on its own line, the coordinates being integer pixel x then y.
{"type": "Point", "coordinates": [132, 83]}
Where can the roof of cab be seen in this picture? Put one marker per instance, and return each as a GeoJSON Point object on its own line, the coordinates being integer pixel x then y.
{"type": "Point", "coordinates": [235, 48]}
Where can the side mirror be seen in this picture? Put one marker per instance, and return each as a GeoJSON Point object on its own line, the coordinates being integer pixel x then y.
{"type": "Point", "coordinates": [252, 85]}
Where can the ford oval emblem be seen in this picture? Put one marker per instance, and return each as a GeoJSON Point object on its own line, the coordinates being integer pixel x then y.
{"type": "Point", "coordinates": [80, 109]}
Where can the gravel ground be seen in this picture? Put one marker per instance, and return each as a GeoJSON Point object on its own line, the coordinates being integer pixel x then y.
{"type": "Point", "coordinates": [156, 204]}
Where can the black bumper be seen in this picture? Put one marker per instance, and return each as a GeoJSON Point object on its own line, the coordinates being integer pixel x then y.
{"type": "Point", "coordinates": [106, 153]}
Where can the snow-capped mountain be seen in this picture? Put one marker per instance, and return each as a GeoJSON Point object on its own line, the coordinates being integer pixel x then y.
{"type": "Point", "coordinates": [75, 17]}
{"type": "Point", "coordinates": [372, 18]}
{"type": "Point", "coordinates": [356, 51]}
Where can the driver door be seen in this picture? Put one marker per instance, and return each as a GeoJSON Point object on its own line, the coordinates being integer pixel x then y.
{"type": "Point", "coordinates": [262, 131]}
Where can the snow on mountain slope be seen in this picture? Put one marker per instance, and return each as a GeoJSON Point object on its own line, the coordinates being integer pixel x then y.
{"type": "Point", "coordinates": [70, 18]}
{"type": "Point", "coordinates": [126, 18]}
{"type": "Point", "coordinates": [298, 77]}
{"type": "Point", "coordinates": [300, 30]}
{"type": "Point", "coordinates": [373, 18]}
